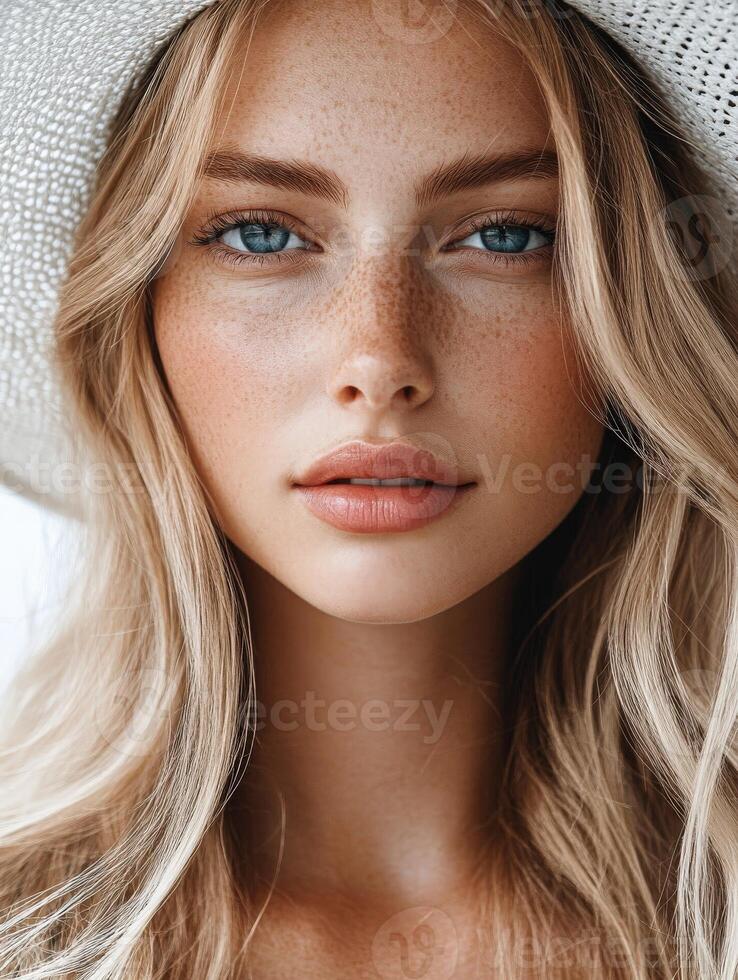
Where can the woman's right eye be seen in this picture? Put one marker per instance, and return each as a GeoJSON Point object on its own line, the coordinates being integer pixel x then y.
{"type": "Point", "coordinates": [261, 238]}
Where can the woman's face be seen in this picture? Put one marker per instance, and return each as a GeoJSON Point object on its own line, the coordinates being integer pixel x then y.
{"type": "Point", "coordinates": [392, 286]}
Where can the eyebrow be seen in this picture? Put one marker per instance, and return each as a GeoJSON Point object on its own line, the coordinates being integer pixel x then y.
{"type": "Point", "coordinates": [233, 166]}
{"type": "Point", "coordinates": [477, 171]}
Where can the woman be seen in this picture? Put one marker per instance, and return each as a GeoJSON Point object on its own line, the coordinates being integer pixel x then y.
{"type": "Point", "coordinates": [473, 722]}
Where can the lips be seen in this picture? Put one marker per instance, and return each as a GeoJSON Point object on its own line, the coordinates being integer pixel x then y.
{"type": "Point", "coordinates": [419, 488]}
{"type": "Point", "coordinates": [362, 460]}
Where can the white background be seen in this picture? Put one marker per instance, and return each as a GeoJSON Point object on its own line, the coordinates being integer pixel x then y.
{"type": "Point", "coordinates": [33, 570]}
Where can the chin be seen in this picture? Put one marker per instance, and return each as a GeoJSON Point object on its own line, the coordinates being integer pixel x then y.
{"type": "Point", "coordinates": [382, 607]}
{"type": "Point", "coordinates": [386, 591]}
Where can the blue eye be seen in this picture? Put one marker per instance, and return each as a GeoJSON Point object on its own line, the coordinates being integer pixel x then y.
{"type": "Point", "coordinates": [261, 238]}
{"type": "Point", "coordinates": [507, 238]}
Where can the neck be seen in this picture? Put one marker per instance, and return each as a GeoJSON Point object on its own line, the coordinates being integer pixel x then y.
{"type": "Point", "coordinates": [379, 745]}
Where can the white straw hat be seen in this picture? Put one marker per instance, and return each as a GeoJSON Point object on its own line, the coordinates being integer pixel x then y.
{"type": "Point", "coordinates": [65, 67]}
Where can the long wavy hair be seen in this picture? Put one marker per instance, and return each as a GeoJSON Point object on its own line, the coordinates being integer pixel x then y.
{"type": "Point", "coordinates": [125, 736]}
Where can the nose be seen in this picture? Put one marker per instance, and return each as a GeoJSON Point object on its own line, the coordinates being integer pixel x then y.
{"type": "Point", "coordinates": [382, 363]}
{"type": "Point", "coordinates": [368, 380]}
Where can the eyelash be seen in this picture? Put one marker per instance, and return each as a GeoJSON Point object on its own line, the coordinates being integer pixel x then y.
{"type": "Point", "coordinates": [513, 220]}
{"type": "Point", "coordinates": [218, 225]}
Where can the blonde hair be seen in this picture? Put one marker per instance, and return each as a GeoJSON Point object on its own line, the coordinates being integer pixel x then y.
{"type": "Point", "coordinates": [618, 818]}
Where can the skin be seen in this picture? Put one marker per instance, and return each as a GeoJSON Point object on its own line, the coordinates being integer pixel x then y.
{"type": "Point", "coordinates": [272, 364]}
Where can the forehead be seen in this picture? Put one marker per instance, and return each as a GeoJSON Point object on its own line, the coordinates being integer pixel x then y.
{"type": "Point", "coordinates": [343, 82]}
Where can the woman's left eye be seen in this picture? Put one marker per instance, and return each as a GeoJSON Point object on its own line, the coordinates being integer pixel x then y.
{"type": "Point", "coordinates": [508, 239]}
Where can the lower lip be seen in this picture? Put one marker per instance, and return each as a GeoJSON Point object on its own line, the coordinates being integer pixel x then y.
{"type": "Point", "coordinates": [375, 509]}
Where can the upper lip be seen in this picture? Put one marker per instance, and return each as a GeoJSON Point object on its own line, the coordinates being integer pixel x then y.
{"type": "Point", "coordinates": [382, 461]}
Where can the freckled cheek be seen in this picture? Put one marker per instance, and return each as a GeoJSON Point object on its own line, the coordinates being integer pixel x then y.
{"type": "Point", "coordinates": [527, 393]}
{"type": "Point", "coordinates": [231, 381]}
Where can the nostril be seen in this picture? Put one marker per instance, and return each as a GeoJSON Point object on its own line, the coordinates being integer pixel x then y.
{"type": "Point", "coordinates": [349, 393]}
